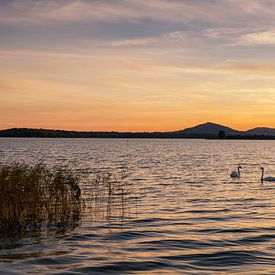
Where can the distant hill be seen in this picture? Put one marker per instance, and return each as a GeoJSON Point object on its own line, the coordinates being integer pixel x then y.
{"type": "Point", "coordinates": [261, 131]}
{"type": "Point", "coordinates": [209, 128]}
{"type": "Point", "coordinates": [205, 130]}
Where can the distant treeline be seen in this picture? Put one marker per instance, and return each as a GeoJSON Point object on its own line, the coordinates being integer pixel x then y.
{"type": "Point", "coordinates": [44, 133]}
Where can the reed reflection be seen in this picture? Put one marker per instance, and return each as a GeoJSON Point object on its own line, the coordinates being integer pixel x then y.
{"type": "Point", "coordinates": [38, 201]}
{"type": "Point", "coordinates": [108, 197]}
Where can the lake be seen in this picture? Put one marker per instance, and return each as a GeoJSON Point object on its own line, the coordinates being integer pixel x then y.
{"type": "Point", "coordinates": [183, 213]}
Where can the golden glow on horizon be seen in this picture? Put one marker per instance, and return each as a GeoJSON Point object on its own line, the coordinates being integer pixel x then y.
{"type": "Point", "coordinates": [131, 94]}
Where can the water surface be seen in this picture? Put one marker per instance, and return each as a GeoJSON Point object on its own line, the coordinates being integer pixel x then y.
{"type": "Point", "coordinates": [184, 214]}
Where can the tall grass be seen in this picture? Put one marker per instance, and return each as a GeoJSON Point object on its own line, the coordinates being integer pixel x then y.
{"type": "Point", "coordinates": [108, 195]}
{"type": "Point", "coordinates": [33, 196]}
{"type": "Point", "coordinates": [36, 198]}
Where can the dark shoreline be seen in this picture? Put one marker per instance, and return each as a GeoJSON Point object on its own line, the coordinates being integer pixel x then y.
{"type": "Point", "coordinates": [44, 133]}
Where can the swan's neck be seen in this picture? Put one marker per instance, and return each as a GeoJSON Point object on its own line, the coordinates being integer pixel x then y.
{"type": "Point", "coordinates": [262, 178]}
{"type": "Point", "coordinates": [239, 171]}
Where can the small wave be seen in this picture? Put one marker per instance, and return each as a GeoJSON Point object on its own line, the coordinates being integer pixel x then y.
{"type": "Point", "coordinates": [222, 258]}
{"type": "Point", "coordinates": [208, 211]}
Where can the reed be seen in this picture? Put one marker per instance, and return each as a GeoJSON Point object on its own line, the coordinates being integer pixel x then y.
{"type": "Point", "coordinates": [108, 195]}
{"type": "Point", "coordinates": [35, 196]}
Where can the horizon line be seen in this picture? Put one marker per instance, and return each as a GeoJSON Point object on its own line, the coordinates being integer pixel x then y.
{"type": "Point", "coordinates": [116, 131]}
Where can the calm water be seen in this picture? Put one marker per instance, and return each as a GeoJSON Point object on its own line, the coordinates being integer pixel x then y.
{"type": "Point", "coordinates": [185, 214]}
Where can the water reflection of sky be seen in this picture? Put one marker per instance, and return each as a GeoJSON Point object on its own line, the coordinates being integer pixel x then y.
{"type": "Point", "coordinates": [182, 211]}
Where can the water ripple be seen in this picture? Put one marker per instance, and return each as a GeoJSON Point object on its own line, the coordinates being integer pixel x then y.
{"type": "Point", "coordinates": [184, 213]}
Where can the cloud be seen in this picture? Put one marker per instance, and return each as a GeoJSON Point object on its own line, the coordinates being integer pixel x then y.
{"type": "Point", "coordinates": [136, 23]}
{"type": "Point", "coordinates": [178, 35]}
{"type": "Point", "coordinates": [134, 42]}
{"type": "Point", "coordinates": [244, 36]}
{"type": "Point", "coordinates": [162, 39]}
{"type": "Point", "coordinates": [40, 12]}
{"type": "Point", "coordinates": [226, 32]}
{"type": "Point", "coordinates": [260, 38]}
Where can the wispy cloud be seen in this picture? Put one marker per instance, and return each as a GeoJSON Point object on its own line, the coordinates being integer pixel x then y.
{"type": "Point", "coordinates": [225, 32]}
{"type": "Point", "coordinates": [260, 38]}
{"type": "Point", "coordinates": [134, 42]}
{"type": "Point", "coordinates": [39, 12]}
{"type": "Point", "coordinates": [33, 11]}
{"type": "Point", "coordinates": [163, 39]}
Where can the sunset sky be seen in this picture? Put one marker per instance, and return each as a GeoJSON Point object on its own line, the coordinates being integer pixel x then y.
{"type": "Point", "coordinates": [136, 65]}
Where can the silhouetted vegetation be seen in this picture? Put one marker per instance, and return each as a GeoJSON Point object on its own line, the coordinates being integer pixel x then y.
{"type": "Point", "coordinates": [221, 134]}
{"type": "Point", "coordinates": [44, 133]}
{"type": "Point", "coordinates": [33, 197]}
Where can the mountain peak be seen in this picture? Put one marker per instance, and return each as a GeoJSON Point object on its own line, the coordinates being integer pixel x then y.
{"type": "Point", "coordinates": [209, 123]}
{"type": "Point", "coordinates": [208, 128]}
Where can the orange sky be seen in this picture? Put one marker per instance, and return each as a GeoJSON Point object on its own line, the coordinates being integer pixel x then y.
{"type": "Point", "coordinates": [136, 66]}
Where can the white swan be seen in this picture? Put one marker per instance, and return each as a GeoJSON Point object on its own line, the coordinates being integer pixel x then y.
{"type": "Point", "coordinates": [235, 174]}
{"type": "Point", "coordinates": [267, 178]}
